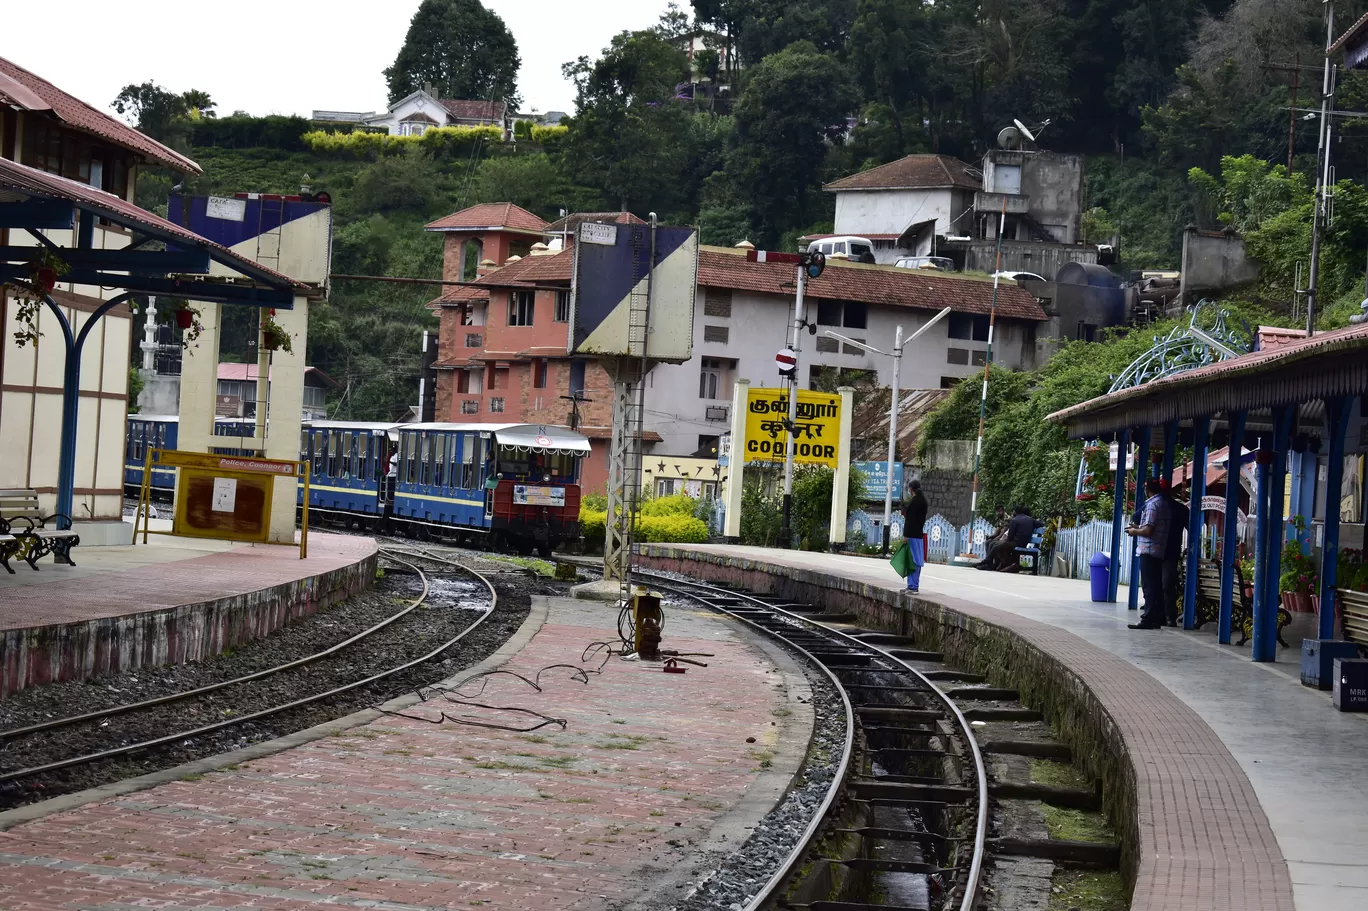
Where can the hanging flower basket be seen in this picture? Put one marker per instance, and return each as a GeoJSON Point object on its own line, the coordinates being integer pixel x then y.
{"type": "Point", "coordinates": [187, 320]}
{"type": "Point", "coordinates": [273, 335]}
{"type": "Point", "coordinates": [184, 318]}
{"type": "Point", "coordinates": [43, 272]}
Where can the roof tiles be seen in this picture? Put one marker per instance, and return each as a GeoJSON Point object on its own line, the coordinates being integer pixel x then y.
{"type": "Point", "coordinates": [491, 215]}
{"type": "Point", "coordinates": [20, 87]}
{"type": "Point", "coordinates": [915, 172]}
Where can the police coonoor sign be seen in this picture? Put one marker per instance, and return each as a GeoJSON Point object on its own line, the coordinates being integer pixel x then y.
{"type": "Point", "coordinates": [818, 428]}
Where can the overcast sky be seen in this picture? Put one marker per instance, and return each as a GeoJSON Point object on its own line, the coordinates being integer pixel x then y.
{"type": "Point", "coordinates": [287, 56]}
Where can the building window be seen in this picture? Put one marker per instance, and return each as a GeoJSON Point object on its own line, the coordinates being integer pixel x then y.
{"type": "Point", "coordinates": [717, 302]}
{"type": "Point", "coordinates": [856, 315]}
{"type": "Point", "coordinates": [717, 334]}
{"type": "Point", "coordinates": [949, 382]}
{"type": "Point", "coordinates": [520, 308]}
{"type": "Point", "coordinates": [828, 313]}
{"type": "Point", "coordinates": [707, 446]}
{"type": "Point", "coordinates": [665, 487]}
{"type": "Point", "coordinates": [474, 340]}
{"type": "Point", "coordinates": [496, 405]}
{"type": "Point", "coordinates": [957, 356]}
{"type": "Point", "coordinates": [539, 373]}
{"type": "Point", "coordinates": [470, 406]}
{"type": "Point", "coordinates": [969, 326]}
{"type": "Point", "coordinates": [493, 377]}
{"type": "Point", "coordinates": [978, 358]}
{"type": "Point", "coordinates": [576, 377]}
{"type": "Point", "coordinates": [1086, 332]}
{"type": "Point", "coordinates": [462, 382]}
{"type": "Point", "coordinates": [562, 307]}
{"type": "Point", "coordinates": [709, 378]}
{"type": "Point", "coordinates": [827, 345]}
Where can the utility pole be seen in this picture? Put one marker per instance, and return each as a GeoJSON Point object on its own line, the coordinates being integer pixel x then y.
{"type": "Point", "coordinates": [987, 363]}
{"type": "Point", "coordinates": [1292, 112]}
{"type": "Point", "coordinates": [786, 523]}
{"type": "Point", "coordinates": [1322, 172]}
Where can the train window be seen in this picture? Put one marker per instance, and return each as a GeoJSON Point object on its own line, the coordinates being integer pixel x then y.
{"type": "Point", "coordinates": [468, 461]}
{"type": "Point", "coordinates": [439, 459]}
{"type": "Point", "coordinates": [331, 466]}
{"type": "Point", "coordinates": [135, 432]}
{"type": "Point", "coordinates": [425, 461]}
{"type": "Point", "coordinates": [304, 446]}
{"type": "Point", "coordinates": [319, 438]}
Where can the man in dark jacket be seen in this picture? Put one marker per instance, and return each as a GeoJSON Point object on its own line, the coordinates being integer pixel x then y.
{"type": "Point", "coordinates": [1173, 552]}
{"type": "Point", "coordinates": [1019, 532]}
{"type": "Point", "coordinates": [914, 531]}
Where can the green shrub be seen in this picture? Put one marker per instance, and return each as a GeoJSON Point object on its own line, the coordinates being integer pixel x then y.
{"type": "Point", "coordinates": [593, 524]}
{"type": "Point", "coordinates": [549, 136]}
{"type": "Point", "coordinates": [671, 529]}
{"type": "Point", "coordinates": [438, 141]}
{"type": "Point", "coordinates": [594, 502]}
{"type": "Point", "coordinates": [680, 504]}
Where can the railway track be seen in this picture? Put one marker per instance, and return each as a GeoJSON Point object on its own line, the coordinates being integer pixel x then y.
{"type": "Point", "coordinates": [102, 726]}
{"type": "Point", "coordinates": [904, 825]}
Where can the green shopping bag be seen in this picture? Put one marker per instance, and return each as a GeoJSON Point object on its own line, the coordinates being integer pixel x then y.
{"type": "Point", "coordinates": [902, 561]}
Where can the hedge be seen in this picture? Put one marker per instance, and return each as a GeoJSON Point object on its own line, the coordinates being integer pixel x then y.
{"type": "Point", "coordinates": [271, 132]}
{"type": "Point", "coordinates": [656, 529]}
{"type": "Point", "coordinates": [437, 140]}
{"type": "Point", "coordinates": [680, 504]}
{"type": "Point", "coordinates": [548, 135]}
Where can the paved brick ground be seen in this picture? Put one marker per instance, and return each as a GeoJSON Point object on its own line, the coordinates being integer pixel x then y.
{"type": "Point", "coordinates": [405, 815]}
{"type": "Point", "coordinates": [1206, 842]}
{"type": "Point", "coordinates": [115, 581]}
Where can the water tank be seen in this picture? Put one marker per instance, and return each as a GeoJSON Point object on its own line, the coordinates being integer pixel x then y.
{"type": "Point", "coordinates": [1088, 298]}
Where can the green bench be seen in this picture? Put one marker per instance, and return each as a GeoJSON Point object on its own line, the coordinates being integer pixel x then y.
{"type": "Point", "coordinates": [26, 532]}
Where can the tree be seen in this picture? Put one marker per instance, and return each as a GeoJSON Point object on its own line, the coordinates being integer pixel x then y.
{"type": "Point", "coordinates": [794, 105]}
{"type": "Point", "coordinates": [630, 128]}
{"type": "Point", "coordinates": [162, 114]}
{"type": "Point", "coordinates": [459, 48]}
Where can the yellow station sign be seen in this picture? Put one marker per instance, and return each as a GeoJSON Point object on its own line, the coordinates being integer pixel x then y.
{"type": "Point", "coordinates": [818, 428]}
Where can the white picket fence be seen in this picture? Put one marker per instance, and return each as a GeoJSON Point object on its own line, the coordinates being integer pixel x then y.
{"type": "Point", "coordinates": [1076, 546]}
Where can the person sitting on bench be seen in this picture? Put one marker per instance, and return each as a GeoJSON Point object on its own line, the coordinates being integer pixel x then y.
{"type": "Point", "coordinates": [1019, 531]}
{"type": "Point", "coordinates": [989, 562]}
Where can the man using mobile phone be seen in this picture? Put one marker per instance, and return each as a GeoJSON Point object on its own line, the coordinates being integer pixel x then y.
{"type": "Point", "coordinates": [1152, 536]}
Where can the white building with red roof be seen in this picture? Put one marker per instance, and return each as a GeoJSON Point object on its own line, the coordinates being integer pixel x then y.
{"type": "Point", "coordinates": [418, 112]}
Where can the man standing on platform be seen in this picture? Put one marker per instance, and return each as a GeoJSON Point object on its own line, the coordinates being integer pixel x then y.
{"type": "Point", "coordinates": [1153, 534]}
{"type": "Point", "coordinates": [1173, 553]}
{"type": "Point", "coordinates": [914, 532]}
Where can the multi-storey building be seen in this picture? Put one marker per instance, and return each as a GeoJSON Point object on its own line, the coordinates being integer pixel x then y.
{"type": "Point", "coordinates": [503, 338]}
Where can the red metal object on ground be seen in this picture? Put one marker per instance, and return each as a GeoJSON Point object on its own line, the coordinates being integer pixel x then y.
{"type": "Point", "coordinates": [672, 667]}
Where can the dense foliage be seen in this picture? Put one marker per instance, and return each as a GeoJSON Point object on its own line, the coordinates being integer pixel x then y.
{"type": "Point", "coordinates": [461, 50]}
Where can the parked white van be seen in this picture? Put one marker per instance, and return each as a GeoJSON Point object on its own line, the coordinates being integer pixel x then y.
{"type": "Point", "coordinates": [857, 249]}
{"type": "Point", "coordinates": [933, 263]}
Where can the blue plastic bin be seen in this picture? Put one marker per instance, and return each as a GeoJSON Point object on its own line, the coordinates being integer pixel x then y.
{"type": "Point", "coordinates": [1100, 573]}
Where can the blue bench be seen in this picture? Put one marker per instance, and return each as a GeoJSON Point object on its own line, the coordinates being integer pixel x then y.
{"type": "Point", "coordinates": [1032, 550]}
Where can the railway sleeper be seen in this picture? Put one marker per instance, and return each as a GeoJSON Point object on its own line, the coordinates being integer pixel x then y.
{"type": "Point", "coordinates": [983, 693]}
{"type": "Point", "coordinates": [851, 906]}
{"type": "Point", "coordinates": [1001, 714]}
{"type": "Point", "coordinates": [1033, 748]}
{"type": "Point", "coordinates": [964, 676]}
{"type": "Point", "coordinates": [1071, 798]}
{"type": "Point", "coordinates": [914, 654]}
{"type": "Point", "coordinates": [1101, 855]}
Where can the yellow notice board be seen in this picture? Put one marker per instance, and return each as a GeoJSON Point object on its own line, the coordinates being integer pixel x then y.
{"type": "Point", "coordinates": [818, 428]}
{"type": "Point", "coordinates": [224, 496]}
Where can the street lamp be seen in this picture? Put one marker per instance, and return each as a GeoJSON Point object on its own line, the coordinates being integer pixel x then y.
{"type": "Point", "coordinates": [898, 343]}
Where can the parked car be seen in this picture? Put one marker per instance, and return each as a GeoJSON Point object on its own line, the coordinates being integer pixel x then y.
{"type": "Point", "coordinates": [856, 249]}
{"type": "Point", "coordinates": [930, 263]}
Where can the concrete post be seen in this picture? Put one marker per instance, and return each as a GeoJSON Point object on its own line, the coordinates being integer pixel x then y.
{"type": "Point", "coordinates": [285, 410]}
{"type": "Point", "coordinates": [199, 383]}
{"type": "Point", "coordinates": [840, 486]}
{"type": "Point", "coordinates": [731, 529]}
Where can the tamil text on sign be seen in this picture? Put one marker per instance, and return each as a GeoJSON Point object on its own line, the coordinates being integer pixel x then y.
{"type": "Point", "coordinates": [817, 431]}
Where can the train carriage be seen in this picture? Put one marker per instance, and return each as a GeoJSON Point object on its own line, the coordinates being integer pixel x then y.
{"type": "Point", "coordinates": [348, 462]}
{"type": "Point", "coordinates": [161, 431]}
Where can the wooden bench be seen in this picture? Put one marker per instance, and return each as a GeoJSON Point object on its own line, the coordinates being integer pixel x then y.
{"type": "Point", "coordinates": [1353, 612]}
{"type": "Point", "coordinates": [1241, 607]}
{"type": "Point", "coordinates": [1032, 550]}
{"type": "Point", "coordinates": [22, 521]}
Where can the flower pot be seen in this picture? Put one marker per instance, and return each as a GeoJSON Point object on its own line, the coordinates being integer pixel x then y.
{"type": "Point", "coordinates": [184, 319]}
{"type": "Point", "coordinates": [1297, 602]}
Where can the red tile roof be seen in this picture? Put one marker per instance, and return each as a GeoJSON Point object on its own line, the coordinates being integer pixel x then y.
{"type": "Point", "coordinates": [455, 295]}
{"type": "Point", "coordinates": [915, 172]}
{"type": "Point", "coordinates": [722, 267]}
{"type": "Point", "coordinates": [570, 222]}
{"type": "Point", "coordinates": [913, 288]}
{"type": "Point", "coordinates": [32, 182]}
{"type": "Point", "coordinates": [474, 110]}
{"type": "Point", "coordinates": [249, 373]}
{"type": "Point", "coordinates": [491, 215]}
{"type": "Point", "coordinates": [20, 87]}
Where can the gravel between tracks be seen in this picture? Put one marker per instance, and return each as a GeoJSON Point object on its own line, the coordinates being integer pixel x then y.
{"type": "Point", "coordinates": [455, 601]}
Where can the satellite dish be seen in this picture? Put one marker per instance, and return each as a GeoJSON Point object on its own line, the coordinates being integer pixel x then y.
{"type": "Point", "coordinates": [1024, 132]}
{"type": "Point", "coordinates": [1009, 138]}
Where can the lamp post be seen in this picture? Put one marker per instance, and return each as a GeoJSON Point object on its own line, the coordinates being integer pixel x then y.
{"type": "Point", "coordinates": [898, 343]}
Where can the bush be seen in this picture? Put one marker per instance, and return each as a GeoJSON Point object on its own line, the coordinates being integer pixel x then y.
{"type": "Point", "coordinates": [593, 524]}
{"type": "Point", "coordinates": [671, 529]}
{"type": "Point", "coordinates": [438, 141]}
{"type": "Point", "coordinates": [594, 502]}
{"type": "Point", "coordinates": [243, 132]}
{"type": "Point", "coordinates": [549, 136]}
{"type": "Point", "coordinates": [680, 504]}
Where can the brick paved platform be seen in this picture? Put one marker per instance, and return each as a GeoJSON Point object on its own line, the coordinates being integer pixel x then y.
{"type": "Point", "coordinates": [169, 601]}
{"type": "Point", "coordinates": [651, 779]}
{"type": "Point", "coordinates": [1246, 789]}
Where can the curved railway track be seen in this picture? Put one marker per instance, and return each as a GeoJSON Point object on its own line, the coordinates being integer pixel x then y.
{"type": "Point", "coordinates": [11, 741]}
{"type": "Point", "coordinates": [908, 804]}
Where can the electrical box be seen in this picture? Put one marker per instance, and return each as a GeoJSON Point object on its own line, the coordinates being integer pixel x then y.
{"type": "Point", "coordinates": [647, 617]}
{"type": "Point", "coordinates": [1351, 685]}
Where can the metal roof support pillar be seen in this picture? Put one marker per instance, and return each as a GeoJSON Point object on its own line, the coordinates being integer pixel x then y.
{"type": "Point", "coordinates": [1230, 524]}
{"type": "Point", "coordinates": [1266, 601]}
{"type": "Point", "coordinates": [1262, 460]}
{"type": "Point", "coordinates": [71, 402]}
{"type": "Point", "coordinates": [1170, 448]}
{"type": "Point", "coordinates": [1337, 412]}
{"type": "Point", "coordinates": [1302, 496]}
{"type": "Point", "coordinates": [1118, 511]}
{"type": "Point", "coordinates": [1142, 472]}
{"type": "Point", "coordinates": [1201, 442]}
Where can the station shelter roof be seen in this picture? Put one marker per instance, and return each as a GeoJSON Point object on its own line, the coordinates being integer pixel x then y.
{"type": "Point", "coordinates": [1299, 371]}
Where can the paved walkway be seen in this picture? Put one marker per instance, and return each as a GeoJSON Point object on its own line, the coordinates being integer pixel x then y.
{"type": "Point", "coordinates": [164, 573]}
{"type": "Point", "coordinates": [1304, 759]}
{"type": "Point", "coordinates": [653, 771]}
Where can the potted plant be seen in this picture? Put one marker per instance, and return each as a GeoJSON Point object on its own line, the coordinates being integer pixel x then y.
{"type": "Point", "coordinates": [1300, 577]}
{"type": "Point", "coordinates": [273, 335]}
{"type": "Point", "coordinates": [43, 272]}
{"type": "Point", "coordinates": [187, 320]}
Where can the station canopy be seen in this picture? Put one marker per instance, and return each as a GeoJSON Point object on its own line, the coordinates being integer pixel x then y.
{"type": "Point", "coordinates": [544, 438]}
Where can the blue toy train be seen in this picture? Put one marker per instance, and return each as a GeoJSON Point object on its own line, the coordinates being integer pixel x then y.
{"type": "Point", "coordinates": [513, 486]}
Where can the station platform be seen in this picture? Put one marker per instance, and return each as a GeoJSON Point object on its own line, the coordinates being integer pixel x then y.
{"type": "Point", "coordinates": [169, 601]}
{"type": "Point", "coordinates": [1248, 784]}
{"type": "Point", "coordinates": [654, 778]}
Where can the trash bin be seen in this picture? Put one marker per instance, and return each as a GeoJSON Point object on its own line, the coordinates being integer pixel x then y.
{"type": "Point", "coordinates": [1100, 573]}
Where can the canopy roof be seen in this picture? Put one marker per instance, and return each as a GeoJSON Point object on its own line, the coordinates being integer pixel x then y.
{"type": "Point", "coordinates": [36, 200]}
{"type": "Point", "coordinates": [1305, 370]}
{"type": "Point", "coordinates": [547, 438]}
